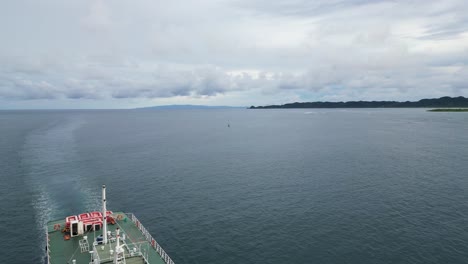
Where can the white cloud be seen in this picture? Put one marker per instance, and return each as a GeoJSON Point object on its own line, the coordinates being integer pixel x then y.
{"type": "Point", "coordinates": [233, 50]}
{"type": "Point", "coordinates": [99, 16]}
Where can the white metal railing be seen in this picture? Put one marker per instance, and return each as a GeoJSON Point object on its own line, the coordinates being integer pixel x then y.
{"type": "Point", "coordinates": [151, 240]}
{"type": "Point", "coordinates": [96, 258]}
{"type": "Point", "coordinates": [48, 247]}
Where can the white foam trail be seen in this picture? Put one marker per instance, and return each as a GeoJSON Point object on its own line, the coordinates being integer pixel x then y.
{"type": "Point", "coordinates": [50, 156]}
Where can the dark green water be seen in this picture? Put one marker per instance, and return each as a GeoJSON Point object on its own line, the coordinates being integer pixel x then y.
{"type": "Point", "coordinates": [277, 186]}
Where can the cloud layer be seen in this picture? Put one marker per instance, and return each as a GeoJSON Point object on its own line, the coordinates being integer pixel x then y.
{"type": "Point", "coordinates": [178, 51]}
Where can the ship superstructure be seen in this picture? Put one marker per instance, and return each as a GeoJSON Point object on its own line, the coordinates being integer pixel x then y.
{"type": "Point", "coordinates": [102, 237]}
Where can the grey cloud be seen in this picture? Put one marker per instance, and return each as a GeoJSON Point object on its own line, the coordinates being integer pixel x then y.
{"type": "Point", "coordinates": [169, 82]}
{"type": "Point", "coordinates": [165, 82]}
{"type": "Point", "coordinates": [205, 81]}
{"type": "Point", "coordinates": [27, 90]}
{"type": "Point", "coordinates": [101, 50]}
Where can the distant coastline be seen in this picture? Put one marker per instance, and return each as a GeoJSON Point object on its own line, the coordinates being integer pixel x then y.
{"type": "Point", "coordinates": [442, 102]}
{"type": "Point", "coordinates": [449, 110]}
{"type": "Point", "coordinates": [187, 107]}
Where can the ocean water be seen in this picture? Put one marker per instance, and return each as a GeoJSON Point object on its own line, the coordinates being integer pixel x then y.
{"type": "Point", "coordinates": [277, 186]}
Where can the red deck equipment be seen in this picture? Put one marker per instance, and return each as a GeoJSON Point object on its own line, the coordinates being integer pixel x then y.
{"type": "Point", "coordinates": [68, 219]}
{"type": "Point", "coordinates": [84, 216]}
{"type": "Point", "coordinates": [110, 218]}
{"type": "Point", "coordinates": [96, 215]}
{"type": "Point", "coordinates": [97, 225]}
{"type": "Point", "coordinates": [88, 225]}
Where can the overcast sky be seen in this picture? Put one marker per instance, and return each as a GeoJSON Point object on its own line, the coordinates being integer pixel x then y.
{"type": "Point", "coordinates": [132, 53]}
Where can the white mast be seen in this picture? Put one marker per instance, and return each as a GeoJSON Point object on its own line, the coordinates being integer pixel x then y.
{"type": "Point", "coordinates": [117, 231]}
{"type": "Point", "coordinates": [119, 256]}
{"type": "Point", "coordinates": [104, 215]}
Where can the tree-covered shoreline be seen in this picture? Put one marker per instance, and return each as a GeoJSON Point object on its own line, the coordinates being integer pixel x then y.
{"type": "Point", "coordinates": [445, 102]}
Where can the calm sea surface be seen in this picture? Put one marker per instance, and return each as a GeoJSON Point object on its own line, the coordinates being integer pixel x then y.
{"type": "Point", "coordinates": [277, 186]}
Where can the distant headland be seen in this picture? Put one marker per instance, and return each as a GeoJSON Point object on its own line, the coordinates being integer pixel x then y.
{"type": "Point", "coordinates": [187, 107]}
{"type": "Point", "coordinates": [445, 102]}
{"type": "Point", "coordinates": [449, 110]}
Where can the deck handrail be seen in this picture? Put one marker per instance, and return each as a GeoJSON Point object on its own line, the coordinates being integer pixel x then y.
{"type": "Point", "coordinates": [154, 244]}
{"type": "Point", "coordinates": [48, 247]}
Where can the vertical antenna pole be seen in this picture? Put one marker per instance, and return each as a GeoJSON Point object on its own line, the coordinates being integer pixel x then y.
{"type": "Point", "coordinates": [119, 252]}
{"type": "Point", "coordinates": [118, 239]}
{"type": "Point", "coordinates": [104, 215]}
